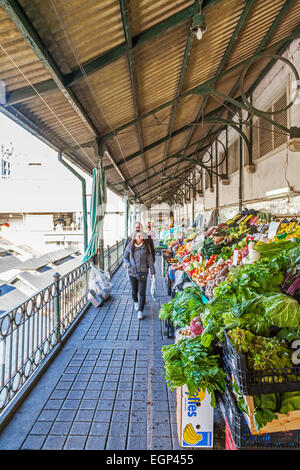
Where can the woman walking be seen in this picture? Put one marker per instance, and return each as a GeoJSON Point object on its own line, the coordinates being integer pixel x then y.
{"type": "Point", "coordinates": [138, 261]}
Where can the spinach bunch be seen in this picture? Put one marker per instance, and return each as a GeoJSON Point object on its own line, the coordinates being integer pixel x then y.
{"type": "Point", "coordinates": [189, 363]}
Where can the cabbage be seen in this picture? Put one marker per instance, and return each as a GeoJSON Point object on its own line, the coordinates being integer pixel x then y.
{"type": "Point", "coordinates": [283, 311]}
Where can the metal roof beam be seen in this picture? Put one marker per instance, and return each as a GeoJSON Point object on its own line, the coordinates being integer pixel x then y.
{"type": "Point", "coordinates": [168, 167]}
{"type": "Point", "coordinates": [238, 28]}
{"type": "Point", "coordinates": [170, 181]}
{"type": "Point", "coordinates": [22, 22]}
{"type": "Point", "coordinates": [184, 65]}
{"type": "Point", "coordinates": [132, 74]}
{"type": "Point", "coordinates": [108, 57]}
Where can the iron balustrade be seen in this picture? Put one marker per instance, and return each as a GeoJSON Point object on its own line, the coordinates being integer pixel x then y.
{"type": "Point", "coordinates": [112, 256]}
{"type": "Point", "coordinates": [31, 330]}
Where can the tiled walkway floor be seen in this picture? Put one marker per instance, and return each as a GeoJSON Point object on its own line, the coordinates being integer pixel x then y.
{"type": "Point", "coordinates": [105, 389]}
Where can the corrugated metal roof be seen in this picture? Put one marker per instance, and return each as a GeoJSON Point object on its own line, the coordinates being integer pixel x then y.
{"type": "Point", "coordinates": [11, 298]}
{"type": "Point", "coordinates": [8, 261]}
{"type": "Point", "coordinates": [52, 257]}
{"type": "Point", "coordinates": [72, 76]}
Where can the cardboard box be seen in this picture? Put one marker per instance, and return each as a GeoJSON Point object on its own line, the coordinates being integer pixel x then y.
{"type": "Point", "coordinates": [284, 422]}
{"type": "Point", "coordinates": [195, 418]}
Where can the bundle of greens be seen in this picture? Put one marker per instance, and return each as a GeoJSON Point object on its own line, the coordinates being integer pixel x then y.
{"type": "Point", "coordinates": [271, 250]}
{"type": "Point", "coordinates": [248, 281]}
{"type": "Point", "coordinates": [225, 253]}
{"type": "Point", "coordinates": [212, 319]}
{"type": "Point", "coordinates": [166, 310]}
{"type": "Point", "coordinates": [186, 305]}
{"type": "Point", "coordinates": [189, 363]}
{"type": "Point", "coordinates": [261, 353]}
{"type": "Point", "coordinates": [263, 312]}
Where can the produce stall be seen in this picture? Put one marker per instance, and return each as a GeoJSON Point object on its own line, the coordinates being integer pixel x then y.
{"type": "Point", "coordinates": [238, 328]}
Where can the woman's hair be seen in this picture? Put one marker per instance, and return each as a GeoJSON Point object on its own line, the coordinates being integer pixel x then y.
{"type": "Point", "coordinates": [134, 237]}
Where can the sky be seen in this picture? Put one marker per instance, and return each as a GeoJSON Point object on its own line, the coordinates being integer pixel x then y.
{"type": "Point", "coordinates": [23, 141]}
{"type": "Point", "coordinates": [27, 147]}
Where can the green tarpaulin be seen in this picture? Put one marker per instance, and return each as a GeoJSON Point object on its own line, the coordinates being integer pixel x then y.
{"type": "Point", "coordinates": [97, 212]}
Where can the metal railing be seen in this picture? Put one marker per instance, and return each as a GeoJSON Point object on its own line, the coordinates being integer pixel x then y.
{"type": "Point", "coordinates": [31, 330]}
{"type": "Point", "coordinates": [112, 256]}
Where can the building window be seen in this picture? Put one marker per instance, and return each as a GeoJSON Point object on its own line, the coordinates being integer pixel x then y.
{"type": "Point", "coordinates": [233, 157]}
{"type": "Point", "coordinates": [207, 180]}
{"type": "Point", "coordinates": [5, 156]}
{"type": "Point", "coordinates": [268, 136]}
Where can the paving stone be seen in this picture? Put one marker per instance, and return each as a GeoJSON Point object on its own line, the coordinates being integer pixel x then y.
{"type": "Point", "coordinates": [60, 428]}
{"type": "Point", "coordinates": [140, 386]}
{"type": "Point", "coordinates": [88, 404]}
{"type": "Point", "coordinates": [47, 415]}
{"type": "Point", "coordinates": [99, 429]}
{"type": "Point", "coordinates": [70, 404]}
{"type": "Point", "coordinates": [41, 427]}
{"type": "Point", "coordinates": [116, 443]}
{"type": "Point", "coordinates": [57, 394]}
{"type": "Point", "coordinates": [79, 386]}
{"type": "Point", "coordinates": [118, 429]}
{"type": "Point", "coordinates": [120, 416]}
{"type": "Point", "coordinates": [125, 386]}
{"type": "Point", "coordinates": [138, 416]}
{"type": "Point", "coordinates": [95, 386]}
{"type": "Point", "coordinates": [95, 443]}
{"type": "Point", "coordinates": [80, 428]}
{"type": "Point", "coordinates": [105, 405]}
{"type": "Point", "coordinates": [160, 406]}
{"type": "Point", "coordinates": [161, 429]}
{"type": "Point", "coordinates": [124, 395]}
{"type": "Point", "coordinates": [137, 429]}
{"type": "Point", "coordinates": [110, 386]}
{"type": "Point", "coordinates": [140, 395]}
{"type": "Point", "coordinates": [137, 443]}
{"type": "Point", "coordinates": [33, 442]}
{"type": "Point", "coordinates": [108, 394]}
{"type": "Point", "coordinates": [54, 443]}
{"type": "Point", "coordinates": [161, 443]}
{"type": "Point", "coordinates": [64, 385]}
{"type": "Point", "coordinates": [75, 443]}
{"type": "Point", "coordinates": [138, 405]}
{"type": "Point", "coordinates": [100, 400]}
{"type": "Point", "coordinates": [122, 405]}
{"type": "Point", "coordinates": [66, 415]}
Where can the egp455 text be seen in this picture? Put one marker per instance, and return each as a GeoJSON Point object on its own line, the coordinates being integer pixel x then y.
{"type": "Point", "coordinates": [167, 459]}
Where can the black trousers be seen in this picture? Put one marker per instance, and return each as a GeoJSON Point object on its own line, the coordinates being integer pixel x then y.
{"type": "Point", "coordinates": [138, 290]}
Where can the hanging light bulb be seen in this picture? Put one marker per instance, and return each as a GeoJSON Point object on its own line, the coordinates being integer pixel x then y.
{"type": "Point", "coordinates": [198, 25]}
{"type": "Point", "coordinates": [199, 33]}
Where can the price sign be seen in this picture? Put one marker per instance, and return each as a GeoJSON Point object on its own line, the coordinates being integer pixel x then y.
{"type": "Point", "coordinates": [273, 227]}
{"type": "Point", "coordinates": [235, 257]}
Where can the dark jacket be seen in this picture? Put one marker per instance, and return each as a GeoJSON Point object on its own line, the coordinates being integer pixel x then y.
{"type": "Point", "coordinates": [151, 244]}
{"type": "Point", "coordinates": [140, 261]}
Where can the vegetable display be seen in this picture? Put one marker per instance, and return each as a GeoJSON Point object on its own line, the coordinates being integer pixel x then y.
{"type": "Point", "coordinates": [252, 285]}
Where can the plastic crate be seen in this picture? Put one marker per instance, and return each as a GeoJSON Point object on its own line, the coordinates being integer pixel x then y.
{"type": "Point", "coordinates": [241, 435]}
{"type": "Point", "coordinates": [229, 441]}
{"type": "Point", "coordinates": [256, 382]}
